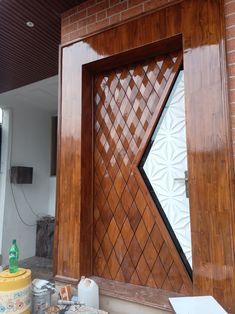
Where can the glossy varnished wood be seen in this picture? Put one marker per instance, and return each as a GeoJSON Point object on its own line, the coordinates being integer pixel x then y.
{"type": "Point", "coordinates": [210, 163]}
{"type": "Point", "coordinates": [135, 293]}
{"type": "Point", "coordinates": [210, 156]}
{"type": "Point", "coordinates": [129, 242]}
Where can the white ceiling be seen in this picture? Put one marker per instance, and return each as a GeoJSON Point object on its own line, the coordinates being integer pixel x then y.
{"type": "Point", "coordinates": [42, 94]}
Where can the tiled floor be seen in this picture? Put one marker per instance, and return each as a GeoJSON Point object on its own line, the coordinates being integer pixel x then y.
{"type": "Point", "coordinates": [41, 267]}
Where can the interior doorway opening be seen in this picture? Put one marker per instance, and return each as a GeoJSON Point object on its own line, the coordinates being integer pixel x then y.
{"type": "Point", "coordinates": [27, 206]}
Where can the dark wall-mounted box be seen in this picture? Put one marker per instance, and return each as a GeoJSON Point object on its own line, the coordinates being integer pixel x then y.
{"type": "Point", "coordinates": [21, 175]}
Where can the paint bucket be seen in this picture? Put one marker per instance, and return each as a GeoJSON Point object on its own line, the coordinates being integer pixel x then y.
{"type": "Point", "coordinates": [15, 291]}
{"type": "Point", "coordinates": [41, 301]}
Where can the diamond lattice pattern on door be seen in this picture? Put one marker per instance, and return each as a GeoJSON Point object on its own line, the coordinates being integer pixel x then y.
{"type": "Point", "coordinates": [128, 245]}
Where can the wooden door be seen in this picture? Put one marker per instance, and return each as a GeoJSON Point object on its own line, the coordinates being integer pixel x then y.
{"type": "Point", "coordinates": [132, 243]}
{"type": "Point", "coordinates": [198, 26]}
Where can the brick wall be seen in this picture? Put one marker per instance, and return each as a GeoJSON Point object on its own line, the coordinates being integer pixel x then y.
{"type": "Point", "coordinates": [229, 10]}
{"type": "Point", "coordinates": [94, 15]}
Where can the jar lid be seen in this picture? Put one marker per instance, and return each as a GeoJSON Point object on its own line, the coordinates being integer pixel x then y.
{"type": "Point", "coordinates": [13, 281]}
{"type": "Point", "coordinates": [7, 274]}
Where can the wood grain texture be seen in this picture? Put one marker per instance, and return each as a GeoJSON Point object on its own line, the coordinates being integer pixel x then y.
{"type": "Point", "coordinates": [127, 102]}
{"type": "Point", "coordinates": [136, 293]}
{"type": "Point", "coordinates": [210, 155]}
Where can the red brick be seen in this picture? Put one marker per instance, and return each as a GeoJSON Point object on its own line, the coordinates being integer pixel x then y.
{"type": "Point", "coordinates": [69, 29]}
{"type": "Point", "coordinates": [63, 32]}
{"type": "Point", "coordinates": [232, 96]}
{"type": "Point", "coordinates": [65, 21]}
{"type": "Point", "coordinates": [132, 3]}
{"type": "Point", "coordinates": [114, 2]}
{"type": "Point", "coordinates": [232, 110]}
{"type": "Point", "coordinates": [230, 20]}
{"type": "Point", "coordinates": [230, 44]}
{"type": "Point", "coordinates": [153, 4]}
{"type": "Point", "coordinates": [233, 126]}
{"type": "Point", "coordinates": [97, 26]}
{"type": "Point", "coordinates": [115, 19]}
{"type": "Point", "coordinates": [101, 15]}
{"type": "Point", "coordinates": [98, 7]}
{"type": "Point", "coordinates": [78, 16]}
{"type": "Point", "coordinates": [231, 70]}
{"type": "Point", "coordinates": [87, 21]}
{"type": "Point", "coordinates": [132, 12]}
{"type": "Point", "coordinates": [117, 8]}
{"type": "Point", "coordinates": [78, 34]}
{"type": "Point", "coordinates": [230, 32]}
{"type": "Point", "coordinates": [231, 83]}
{"type": "Point", "coordinates": [231, 57]}
{"type": "Point", "coordinates": [229, 8]}
{"type": "Point", "coordinates": [233, 119]}
{"type": "Point", "coordinates": [64, 39]}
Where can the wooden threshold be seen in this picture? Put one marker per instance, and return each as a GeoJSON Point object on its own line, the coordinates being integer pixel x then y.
{"type": "Point", "coordinates": [156, 298]}
{"type": "Point", "coordinates": [66, 280]}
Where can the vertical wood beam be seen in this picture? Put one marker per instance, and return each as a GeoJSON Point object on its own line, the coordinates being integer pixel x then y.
{"type": "Point", "coordinates": [210, 155]}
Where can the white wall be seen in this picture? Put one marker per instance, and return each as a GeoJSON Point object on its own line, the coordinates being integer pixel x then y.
{"type": "Point", "coordinates": [31, 129]}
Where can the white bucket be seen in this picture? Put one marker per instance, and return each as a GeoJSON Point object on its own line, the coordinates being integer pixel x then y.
{"type": "Point", "coordinates": [88, 292]}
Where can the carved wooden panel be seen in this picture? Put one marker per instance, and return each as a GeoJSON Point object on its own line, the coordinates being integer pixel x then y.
{"type": "Point", "coordinates": [128, 245]}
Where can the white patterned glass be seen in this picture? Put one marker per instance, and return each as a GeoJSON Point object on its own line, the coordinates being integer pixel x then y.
{"type": "Point", "coordinates": [166, 164]}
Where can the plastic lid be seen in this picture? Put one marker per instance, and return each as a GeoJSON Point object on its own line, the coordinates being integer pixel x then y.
{"type": "Point", "coordinates": [87, 282]}
{"type": "Point", "coordinates": [7, 274]}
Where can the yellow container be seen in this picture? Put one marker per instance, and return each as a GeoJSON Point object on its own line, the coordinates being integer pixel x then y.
{"type": "Point", "coordinates": [15, 291]}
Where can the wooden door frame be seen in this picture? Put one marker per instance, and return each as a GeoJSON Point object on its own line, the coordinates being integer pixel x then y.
{"type": "Point", "coordinates": [209, 140]}
{"type": "Point", "coordinates": [162, 47]}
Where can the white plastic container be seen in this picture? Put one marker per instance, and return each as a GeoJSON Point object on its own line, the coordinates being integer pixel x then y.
{"type": "Point", "coordinates": [88, 292]}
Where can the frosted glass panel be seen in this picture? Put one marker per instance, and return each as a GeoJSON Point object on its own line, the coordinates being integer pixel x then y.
{"type": "Point", "coordinates": [166, 167]}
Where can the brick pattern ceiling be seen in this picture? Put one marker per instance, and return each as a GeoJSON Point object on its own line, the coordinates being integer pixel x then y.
{"type": "Point", "coordinates": [29, 54]}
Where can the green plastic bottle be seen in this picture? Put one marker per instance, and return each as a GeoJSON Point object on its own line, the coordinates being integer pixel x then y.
{"type": "Point", "coordinates": [13, 257]}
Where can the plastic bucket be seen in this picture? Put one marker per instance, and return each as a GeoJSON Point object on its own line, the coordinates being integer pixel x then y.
{"type": "Point", "coordinates": [15, 291]}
